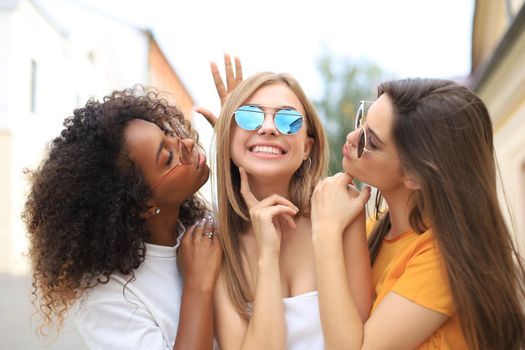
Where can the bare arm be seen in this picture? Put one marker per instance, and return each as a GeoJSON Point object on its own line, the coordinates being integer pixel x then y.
{"type": "Point", "coordinates": [230, 328]}
{"type": "Point", "coordinates": [200, 261]}
{"type": "Point", "coordinates": [357, 264]}
{"type": "Point", "coordinates": [401, 323]}
{"type": "Point", "coordinates": [334, 208]}
{"type": "Point", "coordinates": [266, 327]}
{"type": "Point", "coordinates": [196, 320]}
{"type": "Point", "coordinates": [342, 324]}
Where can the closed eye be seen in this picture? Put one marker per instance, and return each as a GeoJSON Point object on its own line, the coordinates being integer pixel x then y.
{"type": "Point", "coordinates": [375, 140]}
{"type": "Point", "coordinates": [371, 143]}
{"type": "Point", "coordinates": [170, 158]}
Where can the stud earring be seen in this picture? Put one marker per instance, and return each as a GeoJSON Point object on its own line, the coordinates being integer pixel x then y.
{"type": "Point", "coordinates": [157, 211]}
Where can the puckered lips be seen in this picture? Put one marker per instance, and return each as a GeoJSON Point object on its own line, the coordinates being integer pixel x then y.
{"type": "Point", "coordinates": [267, 150]}
{"type": "Point", "coordinates": [201, 160]}
{"type": "Point", "coordinates": [346, 151]}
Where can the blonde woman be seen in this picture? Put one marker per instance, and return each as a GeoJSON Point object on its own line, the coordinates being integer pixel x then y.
{"type": "Point", "coordinates": [271, 152]}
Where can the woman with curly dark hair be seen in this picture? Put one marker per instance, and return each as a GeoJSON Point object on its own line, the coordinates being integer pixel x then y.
{"type": "Point", "coordinates": [106, 212]}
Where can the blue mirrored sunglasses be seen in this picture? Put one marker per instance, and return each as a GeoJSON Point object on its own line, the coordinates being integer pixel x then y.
{"type": "Point", "coordinates": [287, 121]}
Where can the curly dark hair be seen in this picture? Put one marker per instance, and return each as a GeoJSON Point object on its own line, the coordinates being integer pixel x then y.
{"type": "Point", "coordinates": [83, 210]}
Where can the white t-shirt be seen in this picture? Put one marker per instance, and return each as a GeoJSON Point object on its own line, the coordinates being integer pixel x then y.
{"type": "Point", "coordinates": [303, 322]}
{"type": "Point", "coordinates": [138, 314]}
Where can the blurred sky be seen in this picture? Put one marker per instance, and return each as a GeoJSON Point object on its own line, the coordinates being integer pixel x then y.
{"type": "Point", "coordinates": [405, 37]}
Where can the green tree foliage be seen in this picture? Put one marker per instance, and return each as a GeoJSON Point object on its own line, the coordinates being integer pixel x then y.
{"type": "Point", "coordinates": [345, 83]}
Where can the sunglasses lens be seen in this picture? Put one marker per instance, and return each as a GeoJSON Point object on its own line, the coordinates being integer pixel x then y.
{"type": "Point", "coordinates": [361, 143]}
{"type": "Point", "coordinates": [288, 121]}
{"type": "Point", "coordinates": [249, 117]}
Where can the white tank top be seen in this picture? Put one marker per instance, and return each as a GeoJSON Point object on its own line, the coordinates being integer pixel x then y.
{"type": "Point", "coordinates": [303, 322]}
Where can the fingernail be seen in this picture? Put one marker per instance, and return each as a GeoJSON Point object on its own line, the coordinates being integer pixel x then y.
{"type": "Point", "coordinates": [201, 222]}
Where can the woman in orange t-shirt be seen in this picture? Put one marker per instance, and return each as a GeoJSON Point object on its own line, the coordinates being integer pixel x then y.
{"type": "Point", "coordinates": [445, 272]}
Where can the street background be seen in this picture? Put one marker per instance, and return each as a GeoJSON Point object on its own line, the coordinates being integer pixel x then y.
{"type": "Point", "coordinates": [56, 54]}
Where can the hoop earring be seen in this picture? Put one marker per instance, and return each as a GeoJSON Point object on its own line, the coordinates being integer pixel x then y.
{"type": "Point", "coordinates": [301, 171]}
{"type": "Point", "coordinates": [309, 164]}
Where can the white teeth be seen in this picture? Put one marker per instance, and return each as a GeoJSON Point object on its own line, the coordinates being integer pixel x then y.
{"type": "Point", "coordinates": [266, 150]}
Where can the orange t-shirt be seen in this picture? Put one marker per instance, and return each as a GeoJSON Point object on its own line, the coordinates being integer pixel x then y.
{"type": "Point", "coordinates": [411, 266]}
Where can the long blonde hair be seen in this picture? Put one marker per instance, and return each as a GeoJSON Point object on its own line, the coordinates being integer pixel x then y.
{"type": "Point", "coordinates": [233, 217]}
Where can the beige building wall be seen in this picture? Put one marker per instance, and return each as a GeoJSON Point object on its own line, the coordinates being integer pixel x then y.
{"type": "Point", "coordinates": [5, 194]}
{"type": "Point", "coordinates": [68, 69]}
{"type": "Point", "coordinates": [498, 76]}
{"type": "Point", "coordinates": [26, 114]}
{"type": "Point", "coordinates": [164, 78]}
{"type": "Point", "coordinates": [49, 65]}
{"type": "Point", "coordinates": [489, 25]}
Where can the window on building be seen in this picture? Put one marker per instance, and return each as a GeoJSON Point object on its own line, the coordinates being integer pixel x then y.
{"type": "Point", "coordinates": [34, 68]}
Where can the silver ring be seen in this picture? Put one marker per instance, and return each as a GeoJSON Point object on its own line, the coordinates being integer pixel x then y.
{"type": "Point", "coordinates": [209, 235]}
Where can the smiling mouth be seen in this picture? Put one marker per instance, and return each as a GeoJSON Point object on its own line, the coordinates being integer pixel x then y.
{"type": "Point", "coordinates": [267, 150]}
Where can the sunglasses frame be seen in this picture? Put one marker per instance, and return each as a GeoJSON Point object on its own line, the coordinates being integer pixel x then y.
{"type": "Point", "coordinates": [181, 149]}
{"type": "Point", "coordinates": [363, 138]}
{"type": "Point", "coordinates": [275, 114]}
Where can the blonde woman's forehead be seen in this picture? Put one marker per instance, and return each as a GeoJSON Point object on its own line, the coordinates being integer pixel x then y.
{"type": "Point", "coordinates": [276, 95]}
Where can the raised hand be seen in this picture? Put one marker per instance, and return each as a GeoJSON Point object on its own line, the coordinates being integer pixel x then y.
{"type": "Point", "coordinates": [336, 202]}
{"type": "Point", "coordinates": [200, 255]}
{"type": "Point", "coordinates": [233, 79]}
{"type": "Point", "coordinates": [265, 216]}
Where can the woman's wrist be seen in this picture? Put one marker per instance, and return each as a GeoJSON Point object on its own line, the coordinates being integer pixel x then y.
{"type": "Point", "coordinates": [200, 286]}
{"type": "Point", "coordinates": [326, 231]}
{"type": "Point", "coordinates": [268, 251]}
{"type": "Point", "coordinates": [268, 258]}
{"type": "Point", "coordinates": [327, 241]}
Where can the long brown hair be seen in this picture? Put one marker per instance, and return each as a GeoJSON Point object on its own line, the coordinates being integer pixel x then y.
{"type": "Point", "coordinates": [233, 217]}
{"type": "Point", "coordinates": [443, 135]}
